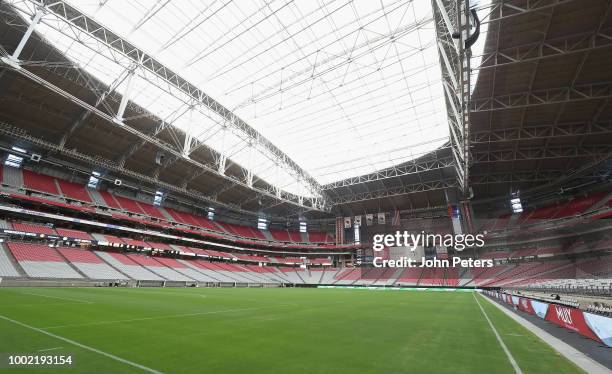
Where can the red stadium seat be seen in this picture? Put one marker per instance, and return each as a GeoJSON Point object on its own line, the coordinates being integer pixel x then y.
{"type": "Point", "coordinates": [36, 229]}
{"type": "Point", "coordinates": [74, 191]}
{"type": "Point", "coordinates": [39, 182]}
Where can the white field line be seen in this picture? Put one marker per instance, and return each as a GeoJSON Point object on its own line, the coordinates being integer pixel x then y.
{"type": "Point", "coordinates": [50, 349]}
{"type": "Point", "coordinates": [159, 317]}
{"type": "Point", "coordinates": [83, 346]}
{"type": "Point", "coordinates": [39, 305]}
{"type": "Point", "coordinates": [57, 297]}
{"type": "Point", "coordinates": [517, 369]}
{"type": "Point", "coordinates": [580, 359]}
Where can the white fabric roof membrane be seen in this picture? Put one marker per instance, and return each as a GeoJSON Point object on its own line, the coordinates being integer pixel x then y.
{"type": "Point", "coordinates": [343, 87]}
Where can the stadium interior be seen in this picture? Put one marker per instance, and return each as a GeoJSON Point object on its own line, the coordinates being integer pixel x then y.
{"type": "Point", "coordinates": [247, 149]}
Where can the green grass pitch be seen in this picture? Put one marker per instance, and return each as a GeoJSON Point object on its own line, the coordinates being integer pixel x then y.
{"type": "Point", "coordinates": [267, 331]}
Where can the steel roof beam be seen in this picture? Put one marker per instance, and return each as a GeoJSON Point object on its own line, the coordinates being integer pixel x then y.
{"type": "Point", "coordinates": [396, 191]}
{"type": "Point", "coordinates": [412, 167]}
{"type": "Point", "coordinates": [541, 132]}
{"type": "Point", "coordinates": [117, 47]}
{"type": "Point", "coordinates": [451, 18]}
{"type": "Point", "coordinates": [533, 52]}
{"type": "Point", "coordinates": [540, 153]}
{"type": "Point", "coordinates": [542, 97]}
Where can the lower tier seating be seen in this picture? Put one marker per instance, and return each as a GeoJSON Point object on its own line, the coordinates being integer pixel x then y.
{"type": "Point", "coordinates": [91, 265]}
{"type": "Point", "coordinates": [39, 261]}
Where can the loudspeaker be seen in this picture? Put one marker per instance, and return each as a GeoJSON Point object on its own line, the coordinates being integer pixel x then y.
{"type": "Point", "coordinates": [118, 182]}
{"type": "Point", "coordinates": [35, 157]}
{"type": "Point", "coordinates": [159, 157]}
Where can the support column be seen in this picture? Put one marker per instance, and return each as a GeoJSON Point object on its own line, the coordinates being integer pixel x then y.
{"type": "Point", "coordinates": [188, 135]}
{"type": "Point", "coordinates": [28, 33]}
{"type": "Point", "coordinates": [222, 156]}
{"type": "Point", "coordinates": [126, 97]}
{"type": "Point", "coordinates": [249, 179]}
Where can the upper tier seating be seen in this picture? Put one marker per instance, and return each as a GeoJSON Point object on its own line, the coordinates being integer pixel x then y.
{"type": "Point", "coordinates": [76, 234]}
{"type": "Point", "coordinates": [36, 229]}
{"type": "Point", "coordinates": [319, 237]}
{"type": "Point", "coordinates": [39, 261]}
{"type": "Point", "coordinates": [280, 235]}
{"type": "Point", "coordinates": [580, 205]}
{"type": "Point", "coordinates": [295, 236]}
{"type": "Point", "coordinates": [182, 217]}
{"type": "Point", "coordinates": [109, 200]}
{"type": "Point", "coordinates": [129, 205]}
{"type": "Point", "coordinates": [151, 210]}
{"type": "Point", "coordinates": [74, 191]}
{"type": "Point", "coordinates": [39, 182]}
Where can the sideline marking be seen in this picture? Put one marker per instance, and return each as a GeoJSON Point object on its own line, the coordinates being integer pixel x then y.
{"type": "Point", "coordinates": [57, 297]}
{"type": "Point", "coordinates": [157, 317]}
{"type": "Point", "coordinates": [49, 349]}
{"type": "Point", "coordinates": [517, 369]}
{"type": "Point", "coordinates": [86, 347]}
{"type": "Point", "coordinates": [572, 354]}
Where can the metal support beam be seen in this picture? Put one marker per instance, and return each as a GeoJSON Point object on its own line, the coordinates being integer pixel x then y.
{"type": "Point", "coordinates": [541, 132]}
{"type": "Point", "coordinates": [397, 191]}
{"type": "Point", "coordinates": [109, 165]}
{"type": "Point", "coordinates": [125, 97]}
{"type": "Point", "coordinates": [540, 153]}
{"type": "Point", "coordinates": [451, 18]}
{"type": "Point", "coordinates": [533, 52]}
{"type": "Point", "coordinates": [506, 9]}
{"type": "Point", "coordinates": [75, 24]}
{"type": "Point", "coordinates": [289, 198]}
{"type": "Point", "coordinates": [542, 97]}
{"type": "Point", "coordinates": [412, 167]}
{"type": "Point", "coordinates": [518, 177]}
{"type": "Point", "coordinates": [24, 39]}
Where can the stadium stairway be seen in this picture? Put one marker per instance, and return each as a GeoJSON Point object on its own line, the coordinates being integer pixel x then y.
{"type": "Point", "coordinates": [268, 235]}
{"type": "Point", "coordinates": [12, 177]}
{"type": "Point", "coordinates": [75, 268]}
{"type": "Point", "coordinates": [181, 268]}
{"type": "Point", "coordinates": [316, 275]}
{"type": "Point", "coordinates": [165, 213]}
{"type": "Point", "coordinates": [282, 275]}
{"type": "Point", "coordinates": [158, 268]}
{"type": "Point", "coordinates": [291, 275]}
{"type": "Point", "coordinates": [90, 265]}
{"type": "Point", "coordinates": [96, 197]}
{"type": "Point", "coordinates": [328, 276]}
{"type": "Point", "coordinates": [191, 270]}
{"type": "Point", "coordinates": [9, 267]}
{"type": "Point", "coordinates": [209, 270]}
{"type": "Point", "coordinates": [128, 267]}
{"type": "Point", "coordinates": [5, 225]}
{"type": "Point", "coordinates": [227, 272]}
{"type": "Point", "coordinates": [39, 261]}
